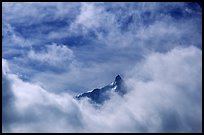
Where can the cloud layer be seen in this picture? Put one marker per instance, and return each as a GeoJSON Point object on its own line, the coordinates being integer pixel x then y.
{"type": "Point", "coordinates": [153, 104]}
{"type": "Point", "coordinates": [54, 51]}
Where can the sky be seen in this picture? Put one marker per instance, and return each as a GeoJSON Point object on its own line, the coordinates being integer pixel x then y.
{"type": "Point", "coordinates": [54, 51]}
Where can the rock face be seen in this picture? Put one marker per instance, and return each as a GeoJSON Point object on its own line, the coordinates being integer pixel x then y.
{"type": "Point", "coordinates": [100, 95]}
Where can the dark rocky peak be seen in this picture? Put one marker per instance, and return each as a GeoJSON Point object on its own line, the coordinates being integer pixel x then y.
{"type": "Point", "coordinates": [100, 95]}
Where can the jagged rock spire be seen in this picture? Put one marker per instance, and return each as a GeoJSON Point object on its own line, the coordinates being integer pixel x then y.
{"type": "Point", "coordinates": [120, 89]}
{"type": "Point", "coordinates": [100, 95]}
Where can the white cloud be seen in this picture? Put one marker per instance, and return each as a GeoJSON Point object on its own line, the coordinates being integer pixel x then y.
{"type": "Point", "coordinates": [12, 39]}
{"type": "Point", "coordinates": [54, 55]}
{"type": "Point", "coordinates": [168, 101]}
{"type": "Point", "coordinates": [25, 13]}
{"type": "Point", "coordinates": [170, 83]}
{"type": "Point", "coordinates": [92, 17]}
{"type": "Point", "coordinates": [87, 16]}
{"type": "Point", "coordinates": [5, 66]}
{"type": "Point", "coordinates": [33, 107]}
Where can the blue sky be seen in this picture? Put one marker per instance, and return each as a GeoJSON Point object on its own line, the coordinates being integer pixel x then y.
{"type": "Point", "coordinates": [58, 50]}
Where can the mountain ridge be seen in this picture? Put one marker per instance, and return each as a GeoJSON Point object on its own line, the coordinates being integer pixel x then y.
{"type": "Point", "coordinates": [98, 96]}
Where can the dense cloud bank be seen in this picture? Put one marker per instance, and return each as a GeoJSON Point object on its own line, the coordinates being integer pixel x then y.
{"type": "Point", "coordinates": [164, 96]}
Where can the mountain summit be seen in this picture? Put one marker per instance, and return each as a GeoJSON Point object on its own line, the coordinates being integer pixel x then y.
{"type": "Point", "coordinates": [100, 95]}
{"type": "Point", "coordinates": [120, 86]}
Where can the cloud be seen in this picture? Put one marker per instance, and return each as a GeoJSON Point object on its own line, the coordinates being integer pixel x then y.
{"type": "Point", "coordinates": [54, 55]}
{"type": "Point", "coordinates": [54, 51]}
{"type": "Point", "coordinates": [56, 11]}
{"type": "Point", "coordinates": [170, 78]}
{"type": "Point", "coordinates": [29, 22]}
{"type": "Point", "coordinates": [33, 107]}
{"type": "Point", "coordinates": [173, 78]}
{"type": "Point", "coordinates": [12, 42]}
{"type": "Point", "coordinates": [87, 15]}
{"type": "Point", "coordinates": [7, 97]}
